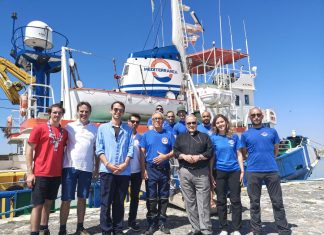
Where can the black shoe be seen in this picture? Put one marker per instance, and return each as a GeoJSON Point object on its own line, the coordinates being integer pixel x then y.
{"type": "Point", "coordinates": [195, 233]}
{"type": "Point", "coordinates": [119, 233]}
{"type": "Point", "coordinates": [44, 232]}
{"type": "Point", "coordinates": [256, 233]}
{"type": "Point", "coordinates": [62, 232]}
{"type": "Point", "coordinates": [106, 233]}
{"type": "Point", "coordinates": [134, 226]}
{"type": "Point", "coordinates": [164, 229]}
{"type": "Point", "coordinates": [151, 230]}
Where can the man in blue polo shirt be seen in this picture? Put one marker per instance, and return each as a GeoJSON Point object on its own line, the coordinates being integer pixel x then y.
{"type": "Point", "coordinates": [205, 126]}
{"type": "Point", "coordinates": [156, 145]}
{"type": "Point", "coordinates": [149, 124]}
{"type": "Point", "coordinates": [180, 126]}
{"type": "Point", "coordinates": [261, 145]}
{"type": "Point", "coordinates": [170, 121]}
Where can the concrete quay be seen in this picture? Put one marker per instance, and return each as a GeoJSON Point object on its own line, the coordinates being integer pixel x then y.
{"type": "Point", "coordinates": [304, 204]}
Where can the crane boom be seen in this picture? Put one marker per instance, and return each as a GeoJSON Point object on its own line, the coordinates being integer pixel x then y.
{"type": "Point", "coordinates": [10, 88]}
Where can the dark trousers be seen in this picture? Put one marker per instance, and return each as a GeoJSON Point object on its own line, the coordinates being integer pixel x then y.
{"type": "Point", "coordinates": [228, 181]}
{"type": "Point", "coordinates": [113, 193]}
{"type": "Point", "coordinates": [135, 186]}
{"type": "Point", "coordinates": [272, 181]}
{"type": "Point", "coordinates": [157, 193]}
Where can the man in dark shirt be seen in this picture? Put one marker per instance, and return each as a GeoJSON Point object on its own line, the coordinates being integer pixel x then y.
{"type": "Point", "coordinates": [194, 150]}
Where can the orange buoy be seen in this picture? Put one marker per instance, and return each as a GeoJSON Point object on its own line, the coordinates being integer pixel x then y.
{"type": "Point", "coordinates": [23, 105]}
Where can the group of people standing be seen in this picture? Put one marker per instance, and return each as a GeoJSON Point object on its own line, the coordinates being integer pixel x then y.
{"type": "Point", "coordinates": [209, 155]}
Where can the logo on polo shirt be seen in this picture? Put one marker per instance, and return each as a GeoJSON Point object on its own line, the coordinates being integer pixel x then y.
{"type": "Point", "coordinates": [264, 134]}
{"type": "Point", "coordinates": [164, 140]}
{"type": "Point", "coordinates": [231, 142]}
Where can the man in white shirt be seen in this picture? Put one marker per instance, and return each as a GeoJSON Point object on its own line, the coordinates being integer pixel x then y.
{"type": "Point", "coordinates": [137, 171]}
{"type": "Point", "coordinates": [78, 166]}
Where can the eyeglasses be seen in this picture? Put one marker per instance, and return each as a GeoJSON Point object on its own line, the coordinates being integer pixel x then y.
{"type": "Point", "coordinates": [118, 110]}
{"type": "Point", "coordinates": [253, 115]}
{"type": "Point", "coordinates": [157, 119]}
{"type": "Point", "coordinates": [191, 123]}
{"type": "Point", "coordinates": [134, 121]}
{"type": "Point", "coordinates": [59, 113]}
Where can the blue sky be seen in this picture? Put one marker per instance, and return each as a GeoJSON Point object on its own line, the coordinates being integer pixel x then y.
{"type": "Point", "coordinates": [286, 43]}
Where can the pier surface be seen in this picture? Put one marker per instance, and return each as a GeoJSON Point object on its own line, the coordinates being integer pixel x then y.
{"type": "Point", "coordinates": [304, 204]}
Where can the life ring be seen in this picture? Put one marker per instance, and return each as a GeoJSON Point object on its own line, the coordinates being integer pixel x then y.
{"type": "Point", "coordinates": [23, 105]}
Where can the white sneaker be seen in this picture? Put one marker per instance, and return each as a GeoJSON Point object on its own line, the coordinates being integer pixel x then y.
{"type": "Point", "coordinates": [223, 232]}
{"type": "Point", "coordinates": [236, 233]}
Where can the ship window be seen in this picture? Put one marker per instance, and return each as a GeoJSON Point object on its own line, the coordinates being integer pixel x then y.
{"type": "Point", "coordinates": [247, 99]}
{"type": "Point", "coordinates": [237, 100]}
{"type": "Point", "coordinates": [126, 70]}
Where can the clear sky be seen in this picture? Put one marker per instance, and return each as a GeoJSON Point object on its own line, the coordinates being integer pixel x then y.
{"type": "Point", "coordinates": [286, 43]}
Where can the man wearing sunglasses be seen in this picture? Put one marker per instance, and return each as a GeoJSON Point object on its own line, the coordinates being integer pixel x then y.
{"type": "Point", "coordinates": [194, 150]}
{"type": "Point", "coordinates": [137, 172]}
{"type": "Point", "coordinates": [114, 147]}
{"type": "Point", "coordinates": [261, 144]}
{"type": "Point", "coordinates": [149, 124]}
{"type": "Point", "coordinates": [156, 145]}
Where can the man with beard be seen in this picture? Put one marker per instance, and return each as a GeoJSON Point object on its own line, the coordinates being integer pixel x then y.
{"type": "Point", "coordinates": [205, 126]}
{"type": "Point", "coordinates": [114, 147]}
{"type": "Point", "coordinates": [261, 144]}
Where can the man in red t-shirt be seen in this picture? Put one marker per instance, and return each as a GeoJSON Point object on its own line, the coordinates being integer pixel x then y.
{"type": "Point", "coordinates": [44, 168]}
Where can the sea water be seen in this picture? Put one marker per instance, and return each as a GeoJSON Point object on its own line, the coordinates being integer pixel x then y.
{"type": "Point", "coordinates": [318, 171]}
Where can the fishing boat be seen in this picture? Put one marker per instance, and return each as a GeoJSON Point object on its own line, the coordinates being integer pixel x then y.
{"type": "Point", "coordinates": [297, 157]}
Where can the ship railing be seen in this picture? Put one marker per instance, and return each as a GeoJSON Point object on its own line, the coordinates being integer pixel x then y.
{"type": "Point", "coordinates": [284, 145]}
{"type": "Point", "coordinates": [38, 111]}
{"type": "Point", "coordinates": [220, 73]}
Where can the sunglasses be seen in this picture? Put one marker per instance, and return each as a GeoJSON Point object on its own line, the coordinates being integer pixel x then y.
{"type": "Point", "coordinates": [59, 113]}
{"type": "Point", "coordinates": [118, 110]}
{"type": "Point", "coordinates": [191, 123]}
{"type": "Point", "coordinates": [253, 115]}
{"type": "Point", "coordinates": [134, 121]}
{"type": "Point", "coordinates": [206, 116]}
{"type": "Point", "coordinates": [159, 109]}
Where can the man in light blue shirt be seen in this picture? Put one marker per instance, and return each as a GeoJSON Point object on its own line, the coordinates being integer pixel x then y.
{"type": "Point", "coordinates": [114, 147]}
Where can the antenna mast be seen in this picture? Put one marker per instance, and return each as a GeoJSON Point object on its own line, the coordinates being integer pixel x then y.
{"type": "Point", "coordinates": [232, 47]}
{"type": "Point", "coordinates": [221, 32]}
{"type": "Point", "coordinates": [247, 47]}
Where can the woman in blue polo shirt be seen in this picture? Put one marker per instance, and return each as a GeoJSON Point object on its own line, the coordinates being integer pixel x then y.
{"type": "Point", "coordinates": [228, 173]}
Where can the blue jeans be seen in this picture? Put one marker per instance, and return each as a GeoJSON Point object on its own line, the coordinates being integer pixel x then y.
{"type": "Point", "coordinates": [113, 193]}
